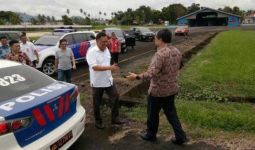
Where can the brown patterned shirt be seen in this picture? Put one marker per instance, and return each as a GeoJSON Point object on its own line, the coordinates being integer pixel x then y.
{"type": "Point", "coordinates": [19, 57]}
{"type": "Point", "coordinates": [163, 72]}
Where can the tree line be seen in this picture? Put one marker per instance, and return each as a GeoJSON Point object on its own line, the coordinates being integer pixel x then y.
{"type": "Point", "coordinates": [146, 15]}
{"type": "Point", "coordinates": [139, 16]}
{"type": "Point", "coordinates": [8, 17]}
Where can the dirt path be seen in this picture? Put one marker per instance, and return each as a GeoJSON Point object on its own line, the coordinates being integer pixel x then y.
{"type": "Point", "coordinates": [113, 138]}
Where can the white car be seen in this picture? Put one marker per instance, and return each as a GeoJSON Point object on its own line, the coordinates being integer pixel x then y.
{"type": "Point", "coordinates": [36, 111]}
{"type": "Point", "coordinates": [47, 45]}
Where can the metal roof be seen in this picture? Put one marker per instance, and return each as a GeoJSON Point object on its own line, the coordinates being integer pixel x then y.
{"type": "Point", "coordinates": [204, 8]}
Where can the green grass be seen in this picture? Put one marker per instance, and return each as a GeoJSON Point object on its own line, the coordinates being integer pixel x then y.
{"type": "Point", "coordinates": [83, 98]}
{"type": "Point", "coordinates": [34, 38]}
{"type": "Point", "coordinates": [206, 116]}
{"type": "Point", "coordinates": [225, 68]}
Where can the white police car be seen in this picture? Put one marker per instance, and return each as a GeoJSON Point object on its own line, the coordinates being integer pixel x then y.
{"type": "Point", "coordinates": [47, 45]}
{"type": "Point", "coordinates": [36, 111]}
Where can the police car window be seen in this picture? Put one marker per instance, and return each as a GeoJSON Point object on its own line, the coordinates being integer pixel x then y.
{"type": "Point", "coordinates": [79, 37]}
{"type": "Point", "coordinates": [48, 40]}
{"type": "Point", "coordinates": [19, 80]}
{"type": "Point", "coordinates": [90, 36]}
{"type": "Point", "coordinates": [69, 39]}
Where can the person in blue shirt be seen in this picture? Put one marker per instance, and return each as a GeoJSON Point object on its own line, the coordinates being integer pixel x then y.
{"type": "Point", "coordinates": [4, 47]}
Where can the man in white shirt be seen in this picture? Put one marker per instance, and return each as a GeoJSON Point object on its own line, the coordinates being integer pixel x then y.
{"type": "Point", "coordinates": [29, 48]}
{"type": "Point", "coordinates": [98, 58]}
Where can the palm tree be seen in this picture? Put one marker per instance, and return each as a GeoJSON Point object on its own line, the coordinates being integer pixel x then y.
{"type": "Point", "coordinates": [100, 14]}
{"type": "Point", "coordinates": [81, 11]}
{"type": "Point", "coordinates": [67, 11]}
{"type": "Point", "coordinates": [89, 15]}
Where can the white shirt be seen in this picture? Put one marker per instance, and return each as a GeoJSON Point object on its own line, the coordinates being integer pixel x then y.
{"type": "Point", "coordinates": [29, 49]}
{"type": "Point", "coordinates": [96, 57]}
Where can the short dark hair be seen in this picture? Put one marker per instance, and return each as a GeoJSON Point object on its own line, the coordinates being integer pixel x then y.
{"type": "Point", "coordinates": [3, 37]}
{"type": "Point", "coordinates": [61, 41]}
{"type": "Point", "coordinates": [23, 35]}
{"type": "Point", "coordinates": [100, 34]}
{"type": "Point", "coordinates": [12, 42]}
{"type": "Point", "coordinates": [165, 35]}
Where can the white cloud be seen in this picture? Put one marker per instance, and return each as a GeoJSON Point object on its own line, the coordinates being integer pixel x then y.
{"type": "Point", "coordinates": [58, 7]}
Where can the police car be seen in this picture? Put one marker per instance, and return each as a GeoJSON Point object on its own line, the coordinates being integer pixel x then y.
{"type": "Point", "coordinates": [47, 45]}
{"type": "Point", "coordinates": [36, 111]}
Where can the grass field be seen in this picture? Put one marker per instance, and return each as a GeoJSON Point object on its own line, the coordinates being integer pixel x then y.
{"type": "Point", "coordinates": [205, 118]}
{"type": "Point", "coordinates": [224, 69]}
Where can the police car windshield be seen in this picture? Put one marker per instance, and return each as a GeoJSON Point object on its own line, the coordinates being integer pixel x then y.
{"type": "Point", "coordinates": [20, 80]}
{"type": "Point", "coordinates": [48, 40]}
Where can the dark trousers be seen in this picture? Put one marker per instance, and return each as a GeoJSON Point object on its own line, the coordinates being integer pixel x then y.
{"type": "Point", "coordinates": [34, 63]}
{"type": "Point", "coordinates": [97, 101]}
{"type": "Point", "coordinates": [65, 75]}
{"type": "Point", "coordinates": [154, 106]}
{"type": "Point", "coordinates": [115, 58]}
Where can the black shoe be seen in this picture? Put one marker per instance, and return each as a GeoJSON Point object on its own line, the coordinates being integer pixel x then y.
{"type": "Point", "coordinates": [179, 141]}
{"type": "Point", "coordinates": [146, 137]}
{"type": "Point", "coordinates": [99, 126]}
{"type": "Point", "coordinates": [117, 121]}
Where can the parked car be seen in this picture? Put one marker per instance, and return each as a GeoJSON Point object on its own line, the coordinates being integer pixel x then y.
{"type": "Point", "coordinates": [143, 33]}
{"type": "Point", "coordinates": [36, 111]}
{"type": "Point", "coordinates": [47, 45]}
{"type": "Point", "coordinates": [11, 35]}
{"type": "Point", "coordinates": [181, 30]}
{"type": "Point", "coordinates": [120, 35]}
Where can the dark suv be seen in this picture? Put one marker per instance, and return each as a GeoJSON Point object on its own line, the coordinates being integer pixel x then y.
{"type": "Point", "coordinates": [143, 33]}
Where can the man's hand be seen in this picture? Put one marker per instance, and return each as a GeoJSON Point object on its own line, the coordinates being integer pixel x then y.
{"type": "Point", "coordinates": [74, 67]}
{"type": "Point", "coordinates": [131, 76]}
{"type": "Point", "coordinates": [56, 69]}
{"type": "Point", "coordinates": [114, 68]}
{"type": "Point", "coordinates": [16, 57]}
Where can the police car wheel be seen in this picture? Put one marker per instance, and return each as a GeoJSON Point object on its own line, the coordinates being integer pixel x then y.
{"type": "Point", "coordinates": [48, 67]}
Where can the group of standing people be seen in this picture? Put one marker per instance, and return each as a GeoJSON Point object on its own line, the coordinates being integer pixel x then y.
{"type": "Point", "coordinates": [162, 74]}
{"type": "Point", "coordinates": [65, 62]}
{"type": "Point", "coordinates": [103, 60]}
{"type": "Point", "coordinates": [21, 51]}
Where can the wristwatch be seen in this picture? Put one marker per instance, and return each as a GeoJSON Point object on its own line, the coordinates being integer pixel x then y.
{"type": "Point", "coordinates": [137, 77]}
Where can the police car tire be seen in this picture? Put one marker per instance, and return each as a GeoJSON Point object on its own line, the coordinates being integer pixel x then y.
{"type": "Point", "coordinates": [48, 61]}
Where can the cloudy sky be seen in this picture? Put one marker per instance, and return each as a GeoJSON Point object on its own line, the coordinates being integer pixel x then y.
{"type": "Point", "coordinates": [58, 7]}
